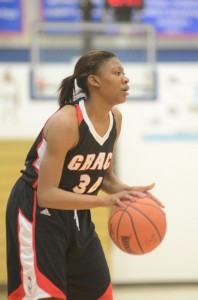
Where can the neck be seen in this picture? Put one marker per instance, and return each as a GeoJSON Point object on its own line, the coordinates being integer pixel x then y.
{"type": "Point", "coordinates": [97, 110]}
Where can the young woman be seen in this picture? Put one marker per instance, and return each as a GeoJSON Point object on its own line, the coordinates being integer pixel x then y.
{"type": "Point", "coordinates": [53, 250]}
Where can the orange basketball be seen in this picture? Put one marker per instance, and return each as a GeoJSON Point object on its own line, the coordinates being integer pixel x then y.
{"type": "Point", "coordinates": [139, 227]}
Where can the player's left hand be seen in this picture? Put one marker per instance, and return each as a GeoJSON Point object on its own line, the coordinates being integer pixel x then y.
{"type": "Point", "coordinates": [144, 192]}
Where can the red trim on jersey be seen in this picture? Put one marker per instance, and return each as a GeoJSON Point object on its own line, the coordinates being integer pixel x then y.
{"type": "Point", "coordinates": [108, 295]}
{"type": "Point", "coordinates": [79, 112]}
{"type": "Point", "coordinates": [43, 282]}
{"type": "Point", "coordinates": [37, 150]}
{"type": "Point", "coordinates": [17, 294]}
{"type": "Point", "coordinates": [35, 184]}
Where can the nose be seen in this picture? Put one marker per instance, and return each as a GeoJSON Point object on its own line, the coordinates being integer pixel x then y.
{"type": "Point", "coordinates": [126, 79]}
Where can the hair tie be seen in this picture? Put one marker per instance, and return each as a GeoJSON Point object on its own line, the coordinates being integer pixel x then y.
{"type": "Point", "coordinates": [77, 92]}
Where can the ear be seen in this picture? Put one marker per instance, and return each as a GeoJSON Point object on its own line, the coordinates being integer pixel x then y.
{"type": "Point", "coordinates": [93, 80]}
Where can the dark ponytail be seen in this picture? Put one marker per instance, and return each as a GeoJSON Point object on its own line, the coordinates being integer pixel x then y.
{"type": "Point", "coordinates": [66, 90]}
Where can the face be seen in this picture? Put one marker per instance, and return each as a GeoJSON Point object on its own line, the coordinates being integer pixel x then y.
{"type": "Point", "coordinates": [112, 82]}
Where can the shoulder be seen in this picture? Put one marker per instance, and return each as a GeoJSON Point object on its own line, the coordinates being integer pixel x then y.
{"type": "Point", "coordinates": [118, 119]}
{"type": "Point", "coordinates": [66, 117]}
{"type": "Point", "coordinates": [64, 121]}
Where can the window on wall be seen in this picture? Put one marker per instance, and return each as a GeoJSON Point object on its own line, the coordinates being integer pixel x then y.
{"type": "Point", "coordinates": [11, 16]}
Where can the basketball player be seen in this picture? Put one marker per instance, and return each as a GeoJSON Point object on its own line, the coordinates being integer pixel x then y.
{"type": "Point", "coordinates": [53, 250]}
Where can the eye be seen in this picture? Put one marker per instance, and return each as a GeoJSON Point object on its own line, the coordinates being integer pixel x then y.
{"type": "Point", "coordinates": [118, 73]}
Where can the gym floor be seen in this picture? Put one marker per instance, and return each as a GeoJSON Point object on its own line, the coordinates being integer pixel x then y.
{"type": "Point", "coordinates": [157, 292]}
{"type": "Point", "coordinates": [149, 292]}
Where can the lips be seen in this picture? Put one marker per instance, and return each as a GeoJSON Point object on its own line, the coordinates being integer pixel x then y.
{"type": "Point", "coordinates": [126, 89]}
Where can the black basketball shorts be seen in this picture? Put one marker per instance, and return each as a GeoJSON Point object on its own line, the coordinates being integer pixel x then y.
{"type": "Point", "coordinates": [50, 254]}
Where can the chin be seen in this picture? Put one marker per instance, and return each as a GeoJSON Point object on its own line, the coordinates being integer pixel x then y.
{"type": "Point", "coordinates": [118, 101]}
{"type": "Point", "coordinates": [121, 100]}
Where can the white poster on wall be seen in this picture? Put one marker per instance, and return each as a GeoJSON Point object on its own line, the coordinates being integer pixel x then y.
{"type": "Point", "coordinates": [20, 117]}
{"type": "Point", "coordinates": [175, 115]}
